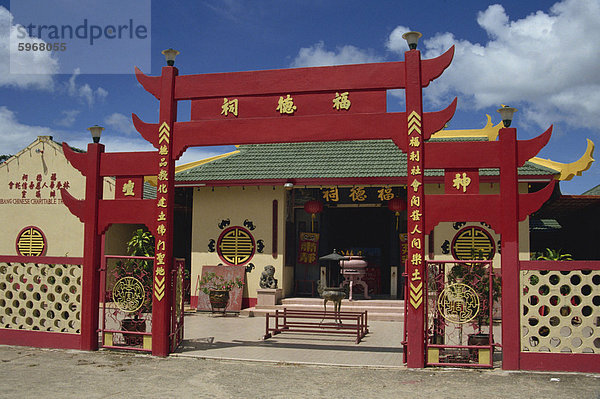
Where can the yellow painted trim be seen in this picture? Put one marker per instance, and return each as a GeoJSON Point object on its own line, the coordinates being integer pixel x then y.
{"type": "Point", "coordinates": [147, 342]}
{"type": "Point", "coordinates": [108, 339]}
{"type": "Point", "coordinates": [484, 356]}
{"type": "Point", "coordinates": [569, 170]}
{"type": "Point", "coordinates": [489, 130]}
{"type": "Point", "coordinates": [433, 355]}
{"type": "Point", "coordinates": [190, 165]}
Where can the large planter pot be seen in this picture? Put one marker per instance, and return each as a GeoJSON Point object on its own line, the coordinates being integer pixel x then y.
{"type": "Point", "coordinates": [219, 299]}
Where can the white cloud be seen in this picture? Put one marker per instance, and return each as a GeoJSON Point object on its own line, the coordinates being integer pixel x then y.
{"type": "Point", "coordinates": [395, 42]}
{"type": "Point", "coordinates": [546, 63]}
{"type": "Point", "coordinates": [24, 69]}
{"type": "Point", "coordinates": [318, 55]}
{"type": "Point", "coordinates": [84, 92]}
{"type": "Point", "coordinates": [68, 117]}
{"type": "Point", "coordinates": [14, 136]}
{"type": "Point", "coordinates": [120, 123]}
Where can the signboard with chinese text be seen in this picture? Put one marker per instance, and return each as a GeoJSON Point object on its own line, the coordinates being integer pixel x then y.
{"type": "Point", "coordinates": [306, 104]}
{"type": "Point", "coordinates": [308, 249]}
{"type": "Point", "coordinates": [33, 189]}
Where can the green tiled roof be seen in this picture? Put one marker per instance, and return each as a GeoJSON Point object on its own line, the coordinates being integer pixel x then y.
{"type": "Point", "coordinates": [543, 224]}
{"type": "Point", "coordinates": [593, 191]}
{"type": "Point", "coordinates": [149, 191]}
{"type": "Point", "coordinates": [342, 159]}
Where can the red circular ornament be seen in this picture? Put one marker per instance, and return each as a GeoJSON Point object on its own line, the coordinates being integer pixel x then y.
{"type": "Point", "coordinates": [396, 205]}
{"type": "Point", "coordinates": [313, 207]}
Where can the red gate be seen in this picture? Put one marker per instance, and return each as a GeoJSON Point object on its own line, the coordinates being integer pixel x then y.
{"type": "Point", "coordinates": [459, 324]}
{"type": "Point", "coordinates": [126, 282]}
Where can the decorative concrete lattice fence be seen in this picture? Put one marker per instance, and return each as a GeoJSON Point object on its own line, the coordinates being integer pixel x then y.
{"type": "Point", "coordinates": [41, 297]}
{"type": "Point", "coordinates": [560, 312]}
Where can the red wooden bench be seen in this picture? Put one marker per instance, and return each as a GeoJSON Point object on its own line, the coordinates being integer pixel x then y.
{"type": "Point", "coordinates": [313, 321]}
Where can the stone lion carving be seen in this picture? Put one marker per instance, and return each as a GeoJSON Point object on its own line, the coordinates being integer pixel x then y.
{"type": "Point", "coordinates": [267, 277]}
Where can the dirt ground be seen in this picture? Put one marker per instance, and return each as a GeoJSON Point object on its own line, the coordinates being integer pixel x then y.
{"type": "Point", "coordinates": [36, 373]}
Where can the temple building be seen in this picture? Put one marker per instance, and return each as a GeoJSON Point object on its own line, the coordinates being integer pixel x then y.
{"type": "Point", "coordinates": [285, 205]}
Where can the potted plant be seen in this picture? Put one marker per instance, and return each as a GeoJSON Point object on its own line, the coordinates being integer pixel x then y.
{"type": "Point", "coordinates": [552, 254]}
{"type": "Point", "coordinates": [475, 275]}
{"type": "Point", "coordinates": [133, 274]}
{"type": "Point", "coordinates": [217, 288]}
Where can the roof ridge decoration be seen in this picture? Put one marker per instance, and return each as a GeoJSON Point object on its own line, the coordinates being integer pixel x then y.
{"type": "Point", "coordinates": [489, 130]}
{"type": "Point", "coordinates": [568, 170]}
{"type": "Point", "coordinates": [190, 165]}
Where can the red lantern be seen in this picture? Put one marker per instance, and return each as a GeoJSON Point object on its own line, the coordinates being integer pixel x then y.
{"type": "Point", "coordinates": [397, 205]}
{"type": "Point", "coordinates": [313, 207]}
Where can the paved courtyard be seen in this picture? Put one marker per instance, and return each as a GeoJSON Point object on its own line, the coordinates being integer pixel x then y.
{"type": "Point", "coordinates": [232, 337]}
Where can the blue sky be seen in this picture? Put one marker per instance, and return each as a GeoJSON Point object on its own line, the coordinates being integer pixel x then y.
{"type": "Point", "coordinates": [539, 56]}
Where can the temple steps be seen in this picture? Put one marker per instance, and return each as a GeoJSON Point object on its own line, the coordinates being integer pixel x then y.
{"type": "Point", "coordinates": [377, 309]}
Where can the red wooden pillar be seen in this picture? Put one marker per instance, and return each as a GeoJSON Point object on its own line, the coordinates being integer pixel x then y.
{"type": "Point", "coordinates": [509, 198]}
{"type": "Point", "coordinates": [161, 301]}
{"type": "Point", "coordinates": [90, 284]}
{"type": "Point", "coordinates": [415, 265]}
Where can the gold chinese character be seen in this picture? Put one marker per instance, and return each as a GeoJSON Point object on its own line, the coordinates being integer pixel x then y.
{"type": "Point", "coordinates": [164, 150]}
{"type": "Point", "coordinates": [415, 185]}
{"type": "Point", "coordinates": [162, 202]}
{"type": "Point", "coordinates": [341, 101]}
{"type": "Point", "coordinates": [229, 106]}
{"type": "Point", "coordinates": [415, 156]}
{"type": "Point", "coordinates": [286, 105]}
{"type": "Point", "coordinates": [358, 194]}
{"type": "Point", "coordinates": [162, 174]}
{"type": "Point", "coordinates": [128, 188]}
{"type": "Point", "coordinates": [415, 141]}
{"type": "Point", "coordinates": [162, 163]}
{"type": "Point", "coordinates": [161, 188]}
{"type": "Point", "coordinates": [415, 215]}
{"type": "Point", "coordinates": [416, 259]}
{"type": "Point", "coordinates": [161, 217]}
{"type": "Point", "coordinates": [416, 275]}
{"type": "Point", "coordinates": [415, 170]}
{"type": "Point", "coordinates": [415, 243]}
{"type": "Point", "coordinates": [161, 229]}
{"type": "Point", "coordinates": [385, 193]}
{"type": "Point", "coordinates": [160, 271]}
{"type": "Point", "coordinates": [416, 230]}
{"type": "Point", "coordinates": [463, 182]}
{"type": "Point", "coordinates": [160, 245]}
{"type": "Point", "coordinates": [331, 194]}
{"type": "Point", "coordinates": [160, 258]}
{"type": "Point", "coordinates": [415, 201]}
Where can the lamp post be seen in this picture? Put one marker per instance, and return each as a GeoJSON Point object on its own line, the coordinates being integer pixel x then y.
{"type": "Point", "coordinates": [96, 132]}
{"type": "Point", "coordinates": [412, 38]}
{"type": "Point", "coordinates": [92, 255]}
{"type": "Point", "coordinates": [415, 265]}
{"type": "Point", "coordinates": [506, 113]}
{"type": "Point", "coordinates": [170, 55]}
{"type": "Point", "coordinates": [163, 264]}
{"type": "Point", "coordinates": [509, 262]}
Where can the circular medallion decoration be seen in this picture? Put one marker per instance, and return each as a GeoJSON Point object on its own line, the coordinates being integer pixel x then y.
{"type": "Point", "coordinates": [458, 303]}
{"type": "Point", "coordinates": [236, 246]}
{"type": "Point", "coordinates": [31, 242]}
{"type": "Point", "coordinates": [473, 242]}
{"type": "Point", "coordinates": [129, 294]}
